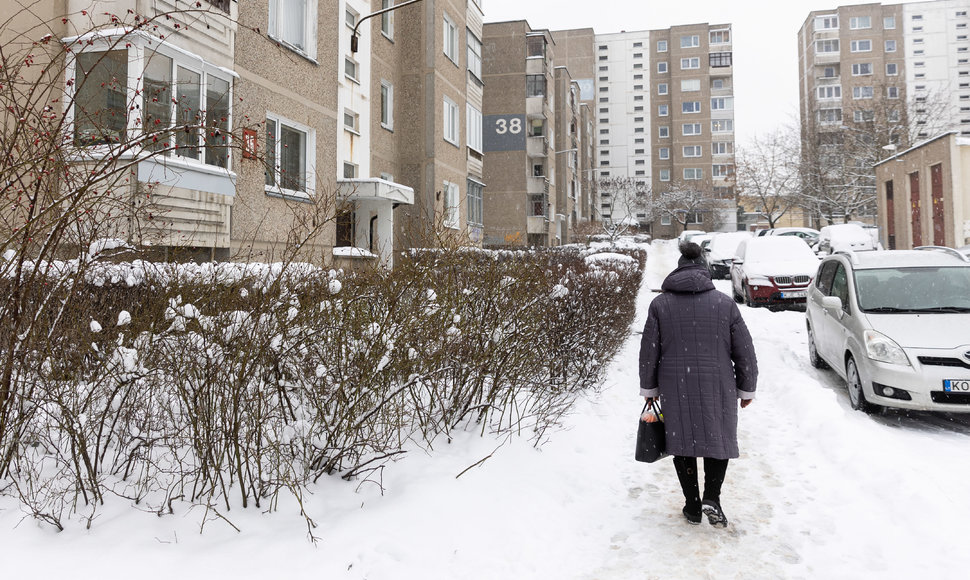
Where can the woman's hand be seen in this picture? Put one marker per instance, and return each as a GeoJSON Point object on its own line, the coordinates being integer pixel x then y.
{"type": "Point", "coordinates": [745, 402]}
{"type": "Point", "coordinates": [650, 399]}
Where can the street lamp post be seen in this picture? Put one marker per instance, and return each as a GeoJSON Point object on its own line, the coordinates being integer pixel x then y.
{"type": "Point", "coordinates": [354, 38]}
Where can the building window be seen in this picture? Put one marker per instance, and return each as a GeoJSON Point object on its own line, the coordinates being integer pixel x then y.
{"type": "Point", "coordinates": [451, 216]}
{"type": "Point", "coordinates": [604, 68]}
{"type": "Point", "coordinates": [101, 96]}
{"type": "Point", "coordinates": [638, 87]}
{"type": "Point", "coordinates": [535, 85]}
{"type": "Point", "coordinates": [350, 69]}
{"type": "Point", "coordinates": [892, 92]}
{"type": "Point", "coordinates": [860, 22]}
{"type": "Point", "coordinates": [637, 66]}
{"type": "Point", "coordinates": [721, 59]}
{"type": "Point", "coordinates": [722, 148]}
{"type": "Point", "coordinates": [289, 147]}
{"type": "Point", "coordinates": [693, 151]}
{"type": "Point", "coordinates": [451, 39]}
{"type": "Point", "coordinates": [722, 125]}
{"type": "Point", "coordinates": [473, 125]}
{"type": "Point", "coordinates": [638, 151]}
{"type": "Point", "coordinates": [663, 132]}
{"type": "Point", "coordinates": [664, 175]}
{"type": "Point", "coordinates": [828, 116]}
{"type": "Point", "coordinates": [637, 44]}
{"type": "Point", "coordinates": [860, 46]}
{"type": "Point", "coordinates": [663, 153]}
{"type": "Point", "coordinates": [665, 219]}
{"type": "Point", "coordinates": [889, 22]}
{"type": "Point", "coordinates": [719, 84]}
{"type": "Point", "coordinates": [661, 67]}
{"type": "Point", "coordinates": [637, 55]}
{"type": "Point", "coordinates": [638, 77]}
{"type": "Point", "coordinates": [662, 89]}
{"type": "Point", "coordinates": [387, 105]}
{"type": "Point", "coordinates": [690, 63]}
{"type": "Point", "coordinates": [722, 103]}
{"type": "Point", "coordinates": [351, 121]}
{"type": "Point", "coordinates": [691, 129]}
{"type": "Point", "coordinates": [292, 23]}
{"type": "Point", "coordinates": [661, 46]}
{"type": "Point", "coordinates": [892, 69]}
{"type": "Point", "coordinates": [690, 85]}
{"type": "Point", "coordinates": [690, 107]}
{"type": "Point", "coordinates": [350, 170]}
{"type": "Point", "coordinates": [474, 56]}
{"type": "Point", "coordinates": [720, 36]}
{"type": "Point", "coordinates": [860, 116]}
{"type": "Point", "coordinates": [476, 206]}
{"type": "Point", "coordinates": [387, 19]}
{"type": "Point", "coordinates": [827, 46]}
{"type": "Point", "coordinates": [693, 173]}
{"type": "Point", "coordinates": [861, 69]}
{"type": "Point", "coordinates": [862, 92]}
{"type": "Point", "coordinates": [602, 89]}
{"type": "Point", "coordinates": [826, 22]}
{"type": "Point", "coordinates": [451, 121]}
{"type": "Point", "coordinates": [690, 41]}
{"type": "Point", "coordinates": [722, 170]}
{"type": "Point", "coordinates": [638, 109]}
{"type": "Point", "coordinates": [829, 92]}
{"type": "Point", "coordinates": [890, 46]}
{"type": "Point", "coordinates": [663, 110]}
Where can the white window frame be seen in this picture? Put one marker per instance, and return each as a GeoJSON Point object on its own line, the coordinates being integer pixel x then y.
{"type": "Point", "coordinates": [722, 170]}
{"type": "Point", "coordinates": [663, 110]}
{"type": "Point", "coordinates": [476, 202]}
{"type": "Point", "coordinates": [693, 151]}
{"type": "Point", "coordinates": [690, 63]}
{"type": "Point", "coordinates": [863, 92]}
{"type": "Point", "coordinates": [690, 85]}
{"type": "Point", "coordinates": [857, 69]}
{"type": "Point", "coordinates": [665, 218]}
{"type": "Point", "coordinates": [662, 67]}
{"type": "Point", "coordinates": [474, 49]}
{"type": "Point", "coordinates": [451, 211]}
{"type": "Point", "coordinates": [891, 66]}
{"type": "Point", "coordinates": [722, 36]}
{"type": "Point", "coordinates": [827, 22]}
{"type": "Point", "coordinates": [473, 127]}
{"type": "Point", "coordinates": [860, 45]}
{"type": "Point", "coordinates": [695, 129]}
{"type": "Point", "coordinates": [309, 21]}
{"type": "Point", "coordinates": [354, 116]}
{"type": "Point", "coordinates": [690, 41]}
{"type": "Point", "coordinates": [663, 132]}
{"type": "Point", "coordinates": [693, 173]}
{"type": "Point", "coordinates": [451, 122]}
{"type": "Point", "coordinates": [387, 105]}
{"type": "Point", "coordinates": [722, 148]}
{"type": "Point", "coordinates": [860, 22]}
{"type": "Point", "coordinates": [351, 63]}
{"type": "Point", "coordinates": [387, 20]}
{"type": "Point", "coordinates": [722, 126]}
{"type": "Point", "coordinates": [451, 42]}
{"type": "Point", "coordinates": [662, 153]}
{"type": "Point", "coordinates": [892, 92]}
{"type": "Point", "coordinates": [661, 46]}
{"type": "Point", "coordinates": [829, 92]}
{"type": "Point", "coordinates": [690, 107]}
{"type": "Point", "coordinates": [310, 155]}
{"type": "Point", "coordinates": [889, 45]}
{"type": "Point", "coordinates": [662, 89]}
{"type": "Point", "coordinates": [722, 103]}
{"type": "Point", "coordinates": [827, 46]}
{"type": "Point", "coordinates": [665, 176]}
{"type": "Point", "coordinates": [889, 22]}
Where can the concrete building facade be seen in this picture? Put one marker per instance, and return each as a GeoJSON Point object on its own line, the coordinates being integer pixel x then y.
{"type": "Point", "coordinates": [924, 194]}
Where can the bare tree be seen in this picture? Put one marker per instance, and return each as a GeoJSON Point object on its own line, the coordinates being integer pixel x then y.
{"type": "Point", "coordinates": [767, 173]}
{"type": "Point", "coordinates": [685, 203]}
{"type": "Point", "coordinates": [628, 197]}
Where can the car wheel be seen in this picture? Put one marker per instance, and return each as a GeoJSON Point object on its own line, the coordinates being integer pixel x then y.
{"type": "Point", "coordinates": [737, 297]}
{"type": "Point", "coordinates": [747, 297]}
{"type": "Point", "coordinates": [857, 395]}
{"type": "Point", "coordinates": [813, 357]}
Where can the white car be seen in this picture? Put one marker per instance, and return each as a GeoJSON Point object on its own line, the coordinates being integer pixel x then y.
{"type": "Point", "coordinates": [687, 235]}
{"type": "Point", "coordinates": [720, 252]}
{"type": "Point", "coordinates": [809, 235]}
{"type": "Point", "coordinates": [839, 237]}
{"type": "Point", "coordinates": [896, 326]}
{"type": "Point", "coordinates": [772, 271]}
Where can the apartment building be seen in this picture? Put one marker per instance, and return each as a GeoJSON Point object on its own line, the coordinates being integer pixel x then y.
{"type": "Point", "coordinates": [520, 136]}
{"type": "Point", "coordinates": [663, 111]}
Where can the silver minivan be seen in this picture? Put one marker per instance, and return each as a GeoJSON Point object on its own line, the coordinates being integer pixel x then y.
{"type": "Point", "coordinates": [896, 326]}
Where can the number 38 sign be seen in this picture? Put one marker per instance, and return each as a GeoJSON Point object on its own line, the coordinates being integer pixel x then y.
{"type": "Point", "coordinates": [504, 133]}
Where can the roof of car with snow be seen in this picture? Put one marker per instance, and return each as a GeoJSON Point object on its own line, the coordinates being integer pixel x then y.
{"type": "Point", "coordinates": [903, 259]}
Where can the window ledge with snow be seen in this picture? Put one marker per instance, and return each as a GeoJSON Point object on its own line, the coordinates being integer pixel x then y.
{"type": "Point", "coordinates": [353, 252]}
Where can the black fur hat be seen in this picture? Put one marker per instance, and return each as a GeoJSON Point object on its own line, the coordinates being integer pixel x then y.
{"type": "Point", "coordinates": [691, 253]}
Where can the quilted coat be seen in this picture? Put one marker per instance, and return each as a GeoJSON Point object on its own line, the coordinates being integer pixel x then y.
{"type": "Point", "coordinates": [696, 354]}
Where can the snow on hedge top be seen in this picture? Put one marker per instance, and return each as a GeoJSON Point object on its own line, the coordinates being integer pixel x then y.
{"type": "Point", "coordinates": [600, 258]}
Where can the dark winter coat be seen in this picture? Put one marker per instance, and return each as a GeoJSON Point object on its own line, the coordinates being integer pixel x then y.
{"type": "Point", "coordinates": [696, 354]}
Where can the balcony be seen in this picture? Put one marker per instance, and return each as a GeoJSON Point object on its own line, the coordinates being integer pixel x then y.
{"type": "Point", "coordinates": [535, 107]}
{"type": "Point", "coordinates": [537, 146]}
{"type": "Point", "coordinates": [538, 186]}
{"type": "Point", "coordinates": [827, 57]}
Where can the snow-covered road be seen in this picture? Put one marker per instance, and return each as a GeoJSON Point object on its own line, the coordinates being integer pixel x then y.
{"type": "Point", "coordinates": [820, 491]}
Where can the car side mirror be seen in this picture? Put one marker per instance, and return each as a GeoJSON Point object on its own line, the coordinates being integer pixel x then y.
{"type": "Point", "coordinates": [832, 303]}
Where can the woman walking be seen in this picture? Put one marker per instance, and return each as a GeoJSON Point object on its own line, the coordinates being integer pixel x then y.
{"type": "Point", "coordinates": [696, 355]}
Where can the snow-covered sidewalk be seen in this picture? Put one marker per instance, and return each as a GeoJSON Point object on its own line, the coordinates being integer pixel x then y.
{"type": "Point", "coordinates": [820, 491]}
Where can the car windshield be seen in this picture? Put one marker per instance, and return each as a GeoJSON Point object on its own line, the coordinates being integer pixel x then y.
{"type": "Point", "coordinates": [909, 290]}
{"type": "Point", "coordinates": [778, 249]}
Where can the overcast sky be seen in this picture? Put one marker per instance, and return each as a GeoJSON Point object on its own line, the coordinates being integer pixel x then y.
{"type": "Point", "coordinates": [765, 41]}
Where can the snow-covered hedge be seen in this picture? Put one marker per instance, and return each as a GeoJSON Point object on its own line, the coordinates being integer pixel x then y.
{"type": "Point", "coordinates": [226, 385]}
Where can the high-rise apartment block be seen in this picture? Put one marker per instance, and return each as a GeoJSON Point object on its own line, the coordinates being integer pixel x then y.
{"type": "Point", "coordinates": [663, 102]}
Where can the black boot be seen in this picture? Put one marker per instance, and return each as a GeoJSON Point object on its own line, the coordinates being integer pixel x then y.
{"type": "Point", "coordinates": [715, 515]}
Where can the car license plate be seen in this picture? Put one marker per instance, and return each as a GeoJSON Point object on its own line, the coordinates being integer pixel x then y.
{"type": "Point", "coordinates": [956, 386]}
{"type": "Point", "coordinates": [793, 294]}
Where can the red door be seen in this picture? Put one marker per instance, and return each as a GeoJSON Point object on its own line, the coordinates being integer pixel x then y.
{"type": "Point", "coordinates": [936, 184]}
{"type": "Point", "coordinates": [890, 216]}
{"type": "Point", "coordinates": [915, 208]}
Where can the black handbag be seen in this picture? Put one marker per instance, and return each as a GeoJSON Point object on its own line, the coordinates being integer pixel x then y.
{"type": "Point", "coordinates": [651, 437]}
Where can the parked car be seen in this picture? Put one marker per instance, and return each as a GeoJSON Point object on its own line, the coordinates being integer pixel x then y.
{"type": "Point", "coordinates": [720, 252]}
{"type": "Point", "coordinates": [896, 326]}
{"type": "Point", "coordinates": [839, 237]}
{"type": "Point", "coordinates": [772, 271]}
{"type": "Point", "coordinates": [809, 235]}
{"type": "Point", "coordinates": [965, 250]}
{"type": "Point", "coordinates": [687, 235]}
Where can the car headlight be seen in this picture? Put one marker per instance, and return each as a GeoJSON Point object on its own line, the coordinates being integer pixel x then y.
{"type": "Point", "coordinates": [880, 347]}
{"type": "Point", "coordinates": [759, 281]}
